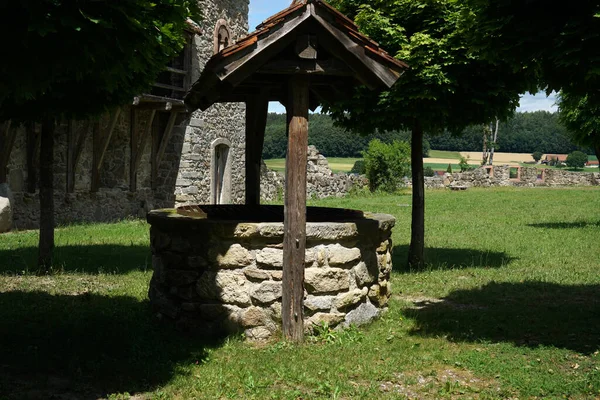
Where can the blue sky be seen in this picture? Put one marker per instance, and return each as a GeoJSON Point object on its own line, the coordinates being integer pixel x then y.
{"type": "Point", "coordinates": [263, 9]}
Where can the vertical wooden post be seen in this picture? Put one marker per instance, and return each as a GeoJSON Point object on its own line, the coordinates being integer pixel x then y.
{"type": "Point", "coordinates": [7, 140]}
{"type": "Point", "coordinates": [294, 239]}
{"type": "Point", "coordinates": [71, 144]}
{"type": "Point", "coordinates": [257, 108]}
{"type": "Point", "coordinates": [33, 146]}
{"type": "Point", "coordinates": [133, 146]}
{"type": "Point", "coordinates": [96, 145]}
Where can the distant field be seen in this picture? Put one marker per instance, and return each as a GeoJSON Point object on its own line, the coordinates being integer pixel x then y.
{"type": "Point", "coordinates": [336, 164]}
{"type": "Point", "coordinates": [451, 155]}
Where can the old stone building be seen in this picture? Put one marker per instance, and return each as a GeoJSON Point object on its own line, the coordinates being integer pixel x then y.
{"type": "Point", "coordinates": [149, 154]}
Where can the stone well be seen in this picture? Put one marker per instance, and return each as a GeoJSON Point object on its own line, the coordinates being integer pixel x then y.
{"type": "Point", "coordinates": [218, 269]}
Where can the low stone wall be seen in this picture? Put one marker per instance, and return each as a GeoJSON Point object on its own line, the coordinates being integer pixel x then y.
{"type": "Point", "coordinates": [216, 277]}
{"type": "Point", "coordinates": [321, 182]}
{"type": "Point", "coordinates": [498, 176]}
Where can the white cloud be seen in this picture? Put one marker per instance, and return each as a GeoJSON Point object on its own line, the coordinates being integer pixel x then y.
{"type": "Point", "coordinates": [538, 102]}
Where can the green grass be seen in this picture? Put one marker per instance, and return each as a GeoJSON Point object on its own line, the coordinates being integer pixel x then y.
{"type": "Point", "coordinates": [451, 155]}
{"type": "Point", "coordinates": [442, 167]}
{"type": "Point", "coordinates": [508, 307]}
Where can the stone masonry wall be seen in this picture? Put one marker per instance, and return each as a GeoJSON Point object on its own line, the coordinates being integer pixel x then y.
{"type": "Point", "coordinates": [184, 174]}
{"type": "Point", "coordinates": [321, 182]}
{"type": "Point", "coordinates": [500, 176]}
{"type": "Point", "coordinates": [220, 277]}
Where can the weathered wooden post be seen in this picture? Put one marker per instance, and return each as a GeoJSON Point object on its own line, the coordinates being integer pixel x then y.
{"type": "Point", "coordinates": [294, 239]}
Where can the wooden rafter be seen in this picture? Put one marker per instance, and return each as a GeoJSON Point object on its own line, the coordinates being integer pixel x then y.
{"type": "Point", "coordinates": [160, 142]}
{"type": "Point", "coordinates": [7, 142]}
{"type": "Point", "coordinates": [138, 145]}
{"type": "Point", "coordinates": [101, 142]}
{"type": "Point", "coordinates": [75, 143]}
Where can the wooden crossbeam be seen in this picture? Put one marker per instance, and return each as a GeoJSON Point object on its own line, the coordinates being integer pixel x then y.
{"type": "Point", "coordinates": [75, 144]}
{"type": "Point", "coordinates": [7, 142]}
{"type": "Point", "coordinates": [160, 142]}
{"type": "Point", "coordinates": [101, 142]}
{"type": "Point", "coordinates": [138, 145]}
{"type": "Point", "coordinates": [34, 139]}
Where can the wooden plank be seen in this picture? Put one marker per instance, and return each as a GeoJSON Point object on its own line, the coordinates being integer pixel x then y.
{"type": "Point", "coordinates": [176, 71]}
{"type": "Point", "coordinates": [311, 67]}
{"type": "Point", "coordinates": [7, 142]}
{"type": "Point", "coordinates": [169, 87]}
{"type": "Point", "coordinates": [166, 136]}
{"type": "Point", "coordinates": [294, 239]}
{"type": "Point", "coordinates": [133, 147]}
{"type": "Point", "coordinates": [257, 108]}
{"type": "Point", "coordinates": [138, 146]}
{"type": "Point", "coordinates": [75, 145]}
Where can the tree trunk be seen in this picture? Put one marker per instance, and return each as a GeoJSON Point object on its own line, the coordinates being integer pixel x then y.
{"type": "Point", "coordinates": [417, 240]}
{"type": "Point", "coordinates": [597, 150]}
{"type": "Point", "coordinates": [495, 138]}
{"type": "Point", "coordinates": [46, 245]}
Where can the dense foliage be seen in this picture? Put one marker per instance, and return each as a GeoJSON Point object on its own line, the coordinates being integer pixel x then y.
{"type": "Point", "coordinates": [577, 160]}
{"type": "Point", "coordinates": [79, 58]}
{"type": "Point", "coordinates": [582, 118]}
{"type": "Point", "coordinates": [386, 164]}
{"type": "Point", "coordinates": [523, 133]}
{"type": "Point", "coordinates": [331, 140]}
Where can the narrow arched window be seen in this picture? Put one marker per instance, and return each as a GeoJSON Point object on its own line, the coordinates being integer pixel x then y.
{"type": "Point", "coordinates": [222, 36]}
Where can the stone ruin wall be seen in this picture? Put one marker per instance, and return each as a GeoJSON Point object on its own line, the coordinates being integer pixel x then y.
{"type": "Point", "coordinates": [222, 277]}
{"type": "Point", "coordinates": [499, 176]}
{"type": "Point", "coordinates": [184, 173]}
{"type": "Point", "coordinates": [321, 182]}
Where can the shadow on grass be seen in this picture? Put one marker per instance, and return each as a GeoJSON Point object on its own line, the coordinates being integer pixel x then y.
{"type": "Point", "coordinates": [86, 346]}
{"type": "Point", "coordinates": [446, 259]}
{"type": "Point", "coordinates": [528, 314]}
{"type": "Point", "coordinates": [92, 259]}
{"type": "Point", "coordinates": [564, 225]}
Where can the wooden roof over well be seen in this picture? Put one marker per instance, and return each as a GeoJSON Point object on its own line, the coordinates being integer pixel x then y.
{"type": "Point", "coordinates": [309, 37]}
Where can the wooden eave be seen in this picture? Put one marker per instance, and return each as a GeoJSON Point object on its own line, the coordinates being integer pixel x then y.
{"type": "Point", "coordinates": [229, 75]}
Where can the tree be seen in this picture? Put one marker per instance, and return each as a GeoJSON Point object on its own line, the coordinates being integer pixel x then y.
{"type": "Point", "coordinates": [582, 118]}
{"type": "Point", "coordinates": [386, 164]}
{"type": "Point", "coordinates": [554, 43]}
{"type": "Point", "coordinates": [537, 156]}
{"type": "Point", "coordinates": [77, 59]}
{"type": "Point", "coordinates": [577, 160]}
{"type": "Point", "coordinates": [449, 85]}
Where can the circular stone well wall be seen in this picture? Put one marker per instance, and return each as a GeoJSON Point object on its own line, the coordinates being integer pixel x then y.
{"type": "Point", "coordinates": [220, 274]}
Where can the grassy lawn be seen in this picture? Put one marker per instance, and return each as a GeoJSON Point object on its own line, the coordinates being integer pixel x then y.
{"type": "Point", "coordinates": [508, 307]}
{"type": "Point", "coordinates": [450, 155]}
{"type": "Point", "coordinates": [442, 167]}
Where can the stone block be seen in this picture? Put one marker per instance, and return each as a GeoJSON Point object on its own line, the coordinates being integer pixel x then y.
{"type": "Point", "coordinates": [267, 292]}
{"type": "Point", "coordinates": [256, 274]}
{"type": "Point", "coordinates": [277, 275]}
{"type": "Point", "coordinates": [330, 319]}
{"type": "Point", "coordinates": [6, 211]}
{"type": "Point", "coordinates": [252, 316]}
{"type": "Point", "coordinates": [326, 280]}
{"type": "Point", "coordinates": [342, 256]}
{"type": "Point", "coordinates": [258, 333]}
{"type": "Point", "coordinates": [348, 299]}
{"type": "Point", "coordinates": [331, 231]}
{"type": "Point", "coordinates": [236, 256]}
{"type": "Point", "coordinates": [364, 274]}
{"type": "Point", "coordinates": [270, 257]}
{"type": "Point", "coordinates": [363, 314]}
{"type": "Point", "coordinates": [318, 303]}
{"type": "Point", "coordinates": [228, 286]}
{"type": "Point", "coordinates": [175, 277]}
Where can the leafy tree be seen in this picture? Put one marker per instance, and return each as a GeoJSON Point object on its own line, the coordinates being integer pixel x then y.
{"type": "Point", "coordinates": [449, 85]}
{"type": "Point", "coordinates": [537, 156]}
{"type": "Point", "coordinates": [386, 164]}
{"type": "Point", "coordinates": [577, 160]}
{"type": "Point", "coordinates": [582, 118]}
{"type": "Point", "coordinates": [449, 169]}
{"type": "Point", "coordinates": [77, 59]}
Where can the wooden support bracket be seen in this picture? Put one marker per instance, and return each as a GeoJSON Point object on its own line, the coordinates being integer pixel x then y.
{"type": "Point", "coordinates": [101, 142]}
{"type": "Point", "coordinates": [7, 142]}
{"type": "Point", "coordinates": [257, 108]}
{"type": "Point", "coordinates": [138, 145]}
{"type": "Point", "coordinates": [160, 146]}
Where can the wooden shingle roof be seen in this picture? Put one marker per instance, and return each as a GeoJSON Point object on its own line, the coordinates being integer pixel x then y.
{"type": "Point", "coordinates": [258, 60]}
